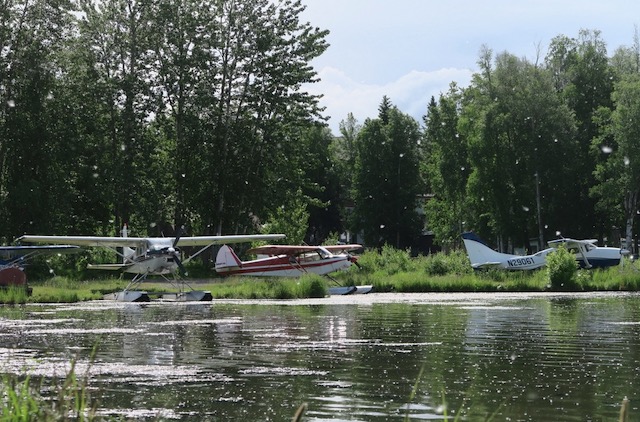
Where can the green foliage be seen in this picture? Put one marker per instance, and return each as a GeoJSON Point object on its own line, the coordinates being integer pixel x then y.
{"type": "Point", "coordinates": [447, 167]}
{"type": "Point", "coordinates": [132, 115]}
{"type": "Point", "coordinates": [290, 219]}
{"type": "Point", "coordinates": [387, 180]}
{"type": "Point", "coordinates": [269, 288]}
{"type": "Point", "coordinates": [562, 270]}
{"type": "Point", "coordinates": [323, 183]}
{"type": "Point", "coordinates": [311, 285]}
{"type": "Point", "coordinates": [618, 175]}
{"type": "Point", "coordinates": [20, 400]}
{"type": "Point", "coordinates": [388, 261]}
{"type": "Point", "coordinates": [14, 295]}
{"type": "Point", "coordinates": [67, 289]}
{"type": "Point", "coordinates": [455, 262]}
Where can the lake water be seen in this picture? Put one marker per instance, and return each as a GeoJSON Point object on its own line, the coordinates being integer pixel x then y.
{"type": "Point", "coordinates": [376, 357]}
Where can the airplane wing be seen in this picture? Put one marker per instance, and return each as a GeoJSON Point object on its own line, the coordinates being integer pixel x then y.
{"type": "Point", "coordinates": [27, 252]}
{"type": "Point", "coordinates": [133, 242]}
{"type": "Point", "coordinates": [49, 249]}
{"type": "Point", "coordinates": [569, 243]}
{"type": "Point", "coordinates": [486, 265]}
{"type": "Point", "coordinates": [342, 248]}
{"type": "Point", "coordinates": [281, 249]}
{"type": "Point", "coordinates": [297, 249]}
{"type": "Point", "coordinates": [220, 240]}
{"type": "Point", "coordinates": [106, 241]}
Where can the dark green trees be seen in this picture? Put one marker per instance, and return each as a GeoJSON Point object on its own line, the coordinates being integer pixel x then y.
{"type": "Point", "coordinates": [387, 182]}
{"type": "Point", "coordinates": [447, 167]}
{"type": "Point", "coordinates": [155, 114]}
{"type": "Point", "coordinates": [511, 156]}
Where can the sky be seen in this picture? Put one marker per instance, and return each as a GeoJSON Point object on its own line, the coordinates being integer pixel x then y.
{"type": "Point", "coordinates": [411, 50]}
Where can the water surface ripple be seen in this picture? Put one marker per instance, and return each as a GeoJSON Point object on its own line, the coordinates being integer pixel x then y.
{"type": "Point", "coordinates": [376, 357]}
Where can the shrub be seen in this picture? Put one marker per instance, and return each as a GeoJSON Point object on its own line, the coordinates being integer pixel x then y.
{"type": "Point", "coordinates": [455, 262]}
{"type": "Point", "coordinates": [436, 264]}
{"type": "Point", "coordinates": [311, 285]}
{"type": "Point", "coordinates": [562, 270]}
{"type": "Point", "coordinates": [389, 260]}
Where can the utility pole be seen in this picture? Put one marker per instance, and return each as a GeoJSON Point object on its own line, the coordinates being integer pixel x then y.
{"type": "Point", "coordinates": [538, 207]}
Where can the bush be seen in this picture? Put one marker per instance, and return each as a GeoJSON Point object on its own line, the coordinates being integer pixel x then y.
{"type": "Point", "coordinates": [455, 262]}
{"type": "Point", "coordinates": [311, 285]}
{"type": "Point", "coordinates": [562, 270]}
{"type": "Point", "coordinates": [389, 260]}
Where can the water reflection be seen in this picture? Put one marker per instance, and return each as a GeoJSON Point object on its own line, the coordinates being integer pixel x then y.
{"type": "Point", "coordinates": [374, 358]}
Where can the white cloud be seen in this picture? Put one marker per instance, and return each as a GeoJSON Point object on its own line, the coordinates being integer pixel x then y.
{"type": "Point", "coordinates": [411, 50]}
{"type": "Point", "coordinates": [410, 93]}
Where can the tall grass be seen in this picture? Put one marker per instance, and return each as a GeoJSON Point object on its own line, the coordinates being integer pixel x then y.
{"type": "Point", "coordinates": [14, 295]}
{"type": "Point", "coordinates": [20, 400]}
{"type": "Point", "coordinates": [310, 285]}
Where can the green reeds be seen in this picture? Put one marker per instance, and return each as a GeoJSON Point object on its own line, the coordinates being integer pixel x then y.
{"type": "Point", "coordinates": [310, 285]}
{"type": "Point", "coordinates": [20, 400]}
{"type": "Point", "coordinates": [14, 295]}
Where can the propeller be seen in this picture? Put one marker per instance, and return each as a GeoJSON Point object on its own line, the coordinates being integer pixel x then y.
{"type": "Point", "coordinates": [354, 260]}
{"type": "Point", "coordinates": [176, 252]}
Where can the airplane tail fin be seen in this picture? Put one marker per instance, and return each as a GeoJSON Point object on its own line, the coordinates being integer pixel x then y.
{"type": "Point", "coordinates": [127, 252]}
{"type": "Point", "coordinates": [479, 252]}
{"type": "Point", "coordinates": [227, 259]}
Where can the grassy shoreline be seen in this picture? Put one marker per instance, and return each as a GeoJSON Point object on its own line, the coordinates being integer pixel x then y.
{"type": "Point", "coordinates": [388, 270]}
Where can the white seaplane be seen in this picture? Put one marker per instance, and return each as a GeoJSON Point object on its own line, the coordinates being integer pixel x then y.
{"type": "Point", "coordinates": [588, 254]}
{"type": "Point", "coordinates": [291, 261]}
{"type": "Point", "coordinates": [13, 260]}
{"type": "Point", "coordinates": [145, 256]}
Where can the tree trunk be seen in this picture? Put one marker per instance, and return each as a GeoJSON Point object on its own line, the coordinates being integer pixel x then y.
{"type": "Point", "coordinates": [630, 208]}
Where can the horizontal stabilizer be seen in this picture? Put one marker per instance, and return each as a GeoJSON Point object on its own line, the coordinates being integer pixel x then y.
{"type": "Point", "coordinates": [486, 265]}
{"type": "Point", "coordinates": [107, 266]}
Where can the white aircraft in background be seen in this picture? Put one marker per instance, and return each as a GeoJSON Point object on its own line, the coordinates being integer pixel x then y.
{"type": "Point", "coordinates": [144, 256]}
{"type": "Point", "coordinates": [588, 254]}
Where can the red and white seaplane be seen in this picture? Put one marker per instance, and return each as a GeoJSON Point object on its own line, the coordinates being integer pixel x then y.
{"type": "Point", "coordinates": [287, 260]}
{"type": "Point", "coordinates": [291, 261]}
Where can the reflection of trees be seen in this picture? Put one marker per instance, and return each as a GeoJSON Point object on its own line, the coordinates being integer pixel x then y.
{"type": "Point", "coordinates": [546, 360]}
{"type": "Point", "coordinates": [535, 359]}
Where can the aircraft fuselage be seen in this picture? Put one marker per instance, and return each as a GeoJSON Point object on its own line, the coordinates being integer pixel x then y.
{"type": "Point", "coordinates": [150, 264]}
